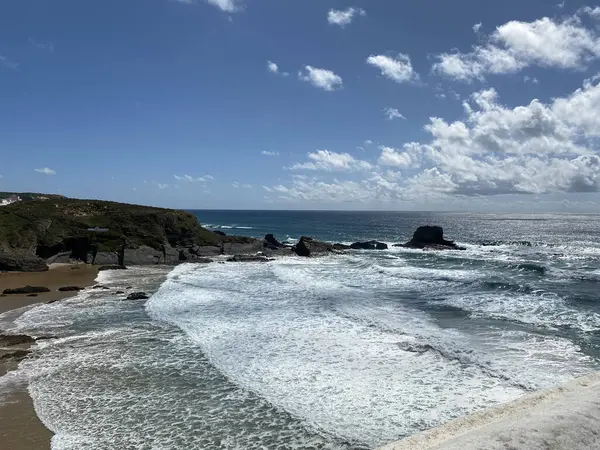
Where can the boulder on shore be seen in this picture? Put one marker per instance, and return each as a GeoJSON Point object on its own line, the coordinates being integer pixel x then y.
{"type": "Point", "coordinates": [370, 245]}
{"type": "Point", "coordinates": [69, 289]}
{"type": "Point", "coordinates": [138, 296]}
{"type": "Point", "coordinates": [26, 290]}
{"type": "Point", "coordinates": [430, 238]}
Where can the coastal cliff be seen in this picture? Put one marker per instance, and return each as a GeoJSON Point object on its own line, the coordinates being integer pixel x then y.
{"type": "Point", "coordinates": [58, 229]}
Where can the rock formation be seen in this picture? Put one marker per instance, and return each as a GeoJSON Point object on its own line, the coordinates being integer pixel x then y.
{"type": "Point", "coordinates": [26, 290]}
{"type": "Point", "coordinates": [430, 238]}
{"type": "Point", "coordinates": [370, 245]}
{"type": "Point", "coordinates": [307, 246]}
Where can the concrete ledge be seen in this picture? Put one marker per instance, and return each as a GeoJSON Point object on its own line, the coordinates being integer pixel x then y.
{"type": "Point", "coordinates": [562, 418]}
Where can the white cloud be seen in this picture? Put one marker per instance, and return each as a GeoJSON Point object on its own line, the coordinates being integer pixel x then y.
{"type": "Point", "coordinates": [564, 44]}
{"type": "Point", "coordinates": [592, 12]}
{"type": "Point", "coordinates": [191, 179]}
{"type": "Point", "coordinates": [223, 5]}
{"type": "Point", "coordinates": [274, 68]}
{"type": "Point", "coordinates": [238, 185]}
{"type": "Point", "coordinates": [393, 113]}
{"type": "Point", "coordinates": [162, 186]}
{"type": "Point", "coordinates": [477, 27]}
{"type": "Point", "coordinates": [344, 17]}
{"type": "Point", "coordinates": [42, 46]}
{"type": "Point", "coordinates": [549, 149]}
{"type": "Point", "coordinates": [4, 61]}
{"type": "Point", "coordinates": [409, 157]}
{"type": "Point", "coordinates": [46, 171]}
{"type": "Point", "coordinates": [331, 161]}
{"type": "Point", "coordinates": [398, 69]}
{"type": "Point", "coordinates": [368, 142]}
{"type": "Point", "coordinates": [528, 79]}
{"type": "Point", "coordinates": [268, 153]}
{"type": "Point", "coordinates": [321, 78]}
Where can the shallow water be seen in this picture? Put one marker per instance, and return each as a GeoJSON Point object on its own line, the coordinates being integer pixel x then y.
{"type": "Point", "coordinates": [349, 351]}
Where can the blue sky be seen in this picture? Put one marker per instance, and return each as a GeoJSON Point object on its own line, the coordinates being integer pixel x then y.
{"type": "Point", "coordinates": [318, 104]}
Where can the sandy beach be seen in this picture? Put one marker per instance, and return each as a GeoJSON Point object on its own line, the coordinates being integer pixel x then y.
{"type": "Point", "coordinates": [20, 427]}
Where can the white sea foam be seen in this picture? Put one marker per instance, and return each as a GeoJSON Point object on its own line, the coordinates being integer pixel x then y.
{"type": "Point", "coordinates": [320, 339]}
{"type": "Point", "coordinates": [542, 309]}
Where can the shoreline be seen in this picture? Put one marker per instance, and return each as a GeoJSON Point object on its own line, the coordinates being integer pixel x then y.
{"type": "Point", "coordinates": [564, 415]}
{"type": "Point", "coordinates": [20, 427]}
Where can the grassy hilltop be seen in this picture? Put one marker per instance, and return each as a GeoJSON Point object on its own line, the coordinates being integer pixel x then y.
{"type": "Point", "coordinates": [45, 227]}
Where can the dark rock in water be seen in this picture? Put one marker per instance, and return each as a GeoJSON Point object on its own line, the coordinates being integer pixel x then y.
{"type": "Point", "coordinates": [220, 233]}
{"type": "Point", "coordinates": [119, 292]}
{"type": "Point", "coordinates": [8, 340]}
{"type": "Point", "coordinates": [31, 295]}
{"type": "Point", "coordinates": [16, 355]}
{"type": "Point", "coordinates": [341, 247]}
{"type": "Point", "coordinates": [137, 296]}
{"type": "Point", "coordinates": [22, 262]}
{"type": "Point", "coordinates": [307, 246]}
{"type": "Point", "coordinates": [112, 267]}
{"type": "Point", "coordinates": [69, 289]}
{"type": "Point", "coordinates": [430, 238]}
{"type": "Point", "coordinates": [249, 258]}
{"type": "Point", "coordinates": [370, 245]}
{"type": "Point", "coordinates": [27, 290]}
{"type": "Point", "coordinates": [272, 243]}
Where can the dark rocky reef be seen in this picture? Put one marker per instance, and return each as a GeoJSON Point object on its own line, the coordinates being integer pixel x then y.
{"type": "Point", "coordinates": [137, 296]}
{"type": "Point", "coordinates": [370, 245]}
{"type": "Point", "coordinates": [307, 246]}
{"type": "Point", "coordinates": [26, 290]}
{"type": "Point", "coordinates": [70, 289]}
{"type": "Point", "coordinates": [249, 258]}
{"type": "Point", "coordinates": [103, 268]}
{"type": "Point", "coordinates": [430, 238]}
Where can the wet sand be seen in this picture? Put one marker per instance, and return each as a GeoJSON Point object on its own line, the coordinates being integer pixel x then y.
{"type": "Point", "coordinates": [20, 427]}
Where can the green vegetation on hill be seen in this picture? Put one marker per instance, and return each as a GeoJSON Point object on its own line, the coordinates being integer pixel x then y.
{"type": "Point", "coordinates": [25, 196]}
{"type": "Point", "coordinates": [46, 227]}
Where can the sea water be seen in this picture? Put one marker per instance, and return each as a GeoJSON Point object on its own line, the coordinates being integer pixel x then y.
{"type": "Point", "coordinates": [339, 352]}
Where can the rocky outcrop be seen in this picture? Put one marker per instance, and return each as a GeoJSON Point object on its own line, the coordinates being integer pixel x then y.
{"type": "Point", "coordinates": [237, 245]}
{"type": "Point", "coordinates": [307, 246]}
{"type": "Point", "coordinates": [8, 340]}
{"type": "Point", "coordinates": [113, 267]}
{"type": "Point", "coordinates": [21, 262]}
{"type": "Point", "coordinates": [26, 290]}
{"type": "Point", "coordinates": [249, 258]}
{"type": "Point", "coordinates": [430, 238]}
{"type": "Point", "coordinates": [58, 229]}
{"type": "Point", "coordinates": [272, 243]}
{"type": "Point", "coordinates": [70, 289]}
{"type": "Point", "coordinates": [138, 296]}
{"type": "Point", "coordinates": [370, 245]}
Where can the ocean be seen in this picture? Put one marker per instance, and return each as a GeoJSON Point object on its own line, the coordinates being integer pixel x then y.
{"type": "Point", "coordinates": [348, 351]}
